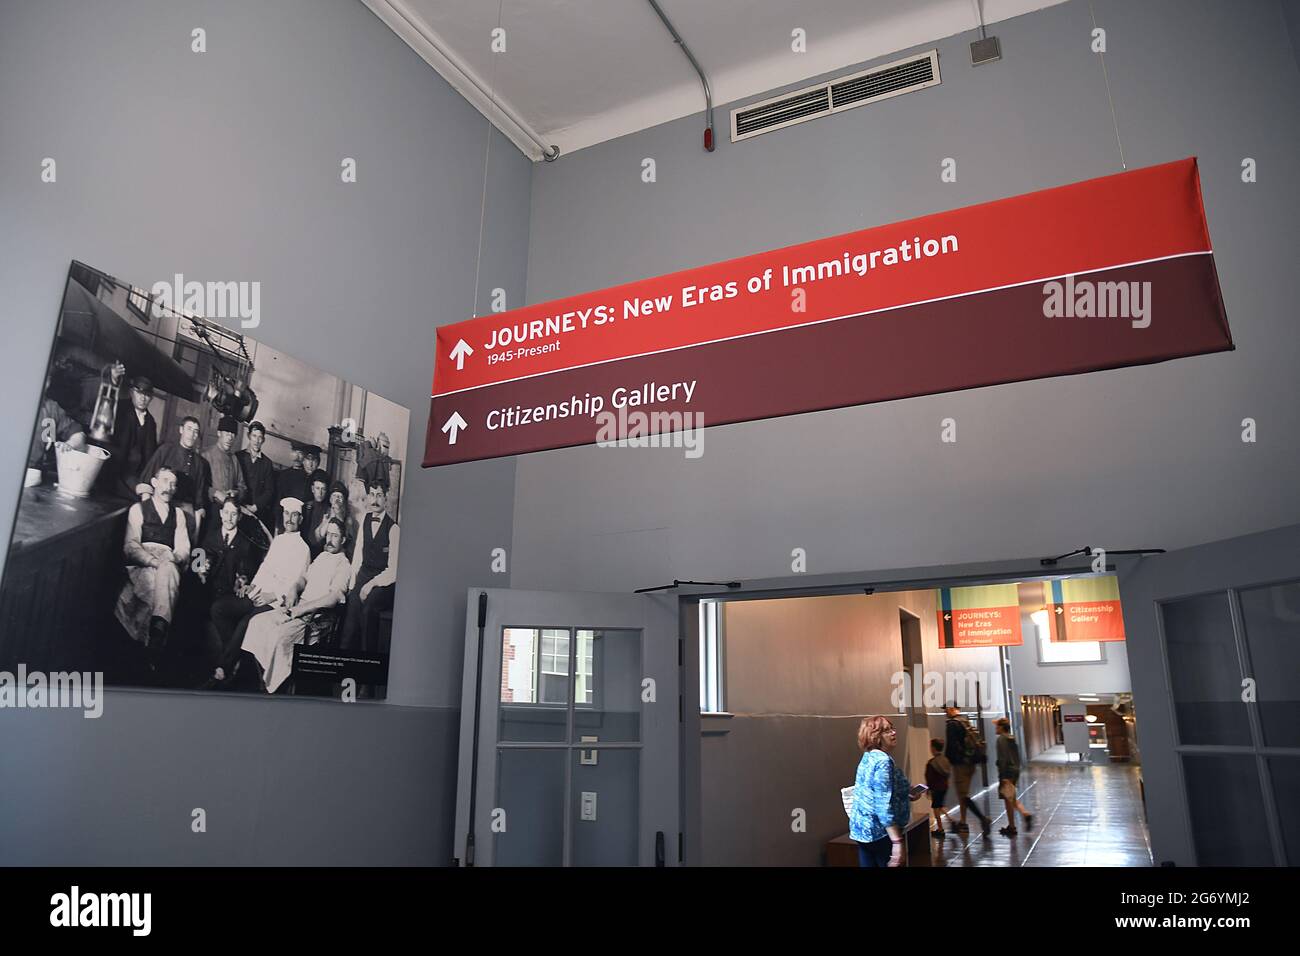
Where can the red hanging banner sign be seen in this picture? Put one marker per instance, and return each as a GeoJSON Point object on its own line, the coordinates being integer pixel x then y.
{"type": "Point", "coordinates": [1084, 609]}
{"type": "Point", "coordinates": [1101, 274]}
{"type": "Point", "coordinates": [981, 616]}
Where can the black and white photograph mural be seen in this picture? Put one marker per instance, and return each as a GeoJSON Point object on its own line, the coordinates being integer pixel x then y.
{"type": "Point", "coordinates": [200, 510]}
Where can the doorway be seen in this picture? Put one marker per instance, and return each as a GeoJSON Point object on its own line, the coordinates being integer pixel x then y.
{"type": "Point", "coordinates": [909, 629]}
{"type": "Point", "coordinates": [802, 670]}
{"type": "Point", "coordinates": [800, 674]}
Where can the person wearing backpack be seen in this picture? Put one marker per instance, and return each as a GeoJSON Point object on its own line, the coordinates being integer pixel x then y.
{"type": "Point", "coordinates": [1008, 776]}
{"type": "Point", "coordinates": [964, 748]}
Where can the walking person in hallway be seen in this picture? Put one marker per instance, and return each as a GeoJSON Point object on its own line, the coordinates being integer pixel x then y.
{"type": "Point", "coordinates": [964, 750]}
{"type": "Point", "coordinates": [938, 771]}
{"type": "Point", "coordinates": [1008, 775]}
{"type": "Point", "coordinates": [879, 812]}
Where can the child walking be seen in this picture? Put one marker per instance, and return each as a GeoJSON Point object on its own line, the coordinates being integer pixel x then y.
{"type": "Point", "coordinates": [937, 772]}
{"type": "Point", "coordinates": [1008, 776]}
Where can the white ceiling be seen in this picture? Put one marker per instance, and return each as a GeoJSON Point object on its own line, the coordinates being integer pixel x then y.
{"type": "Point", "coordinates": [579, 72]}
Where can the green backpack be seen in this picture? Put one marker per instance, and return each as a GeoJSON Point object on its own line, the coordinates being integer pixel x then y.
{"type": "Point", "coordinates": [973, 744]}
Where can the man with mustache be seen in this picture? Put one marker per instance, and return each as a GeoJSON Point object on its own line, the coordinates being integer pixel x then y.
{"type": "Point", "coordinates": [193, 477]}
{"type": "Point", "coordinates": [270, 637]}
{"type": "Point", "coordinates": [156, 548]}
{"type": "Point", "coordinates": [337, 508]}
{"type": "Point", "coordinates": [374, 572]}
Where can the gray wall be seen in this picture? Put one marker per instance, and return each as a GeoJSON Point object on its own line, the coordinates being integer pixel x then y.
{"type": "Point", "coordinates": [225, 165]}
{"type": "Point", "coordinates": [1291, 12]}
{"type": "Point", "coordinates": [1137, 457]}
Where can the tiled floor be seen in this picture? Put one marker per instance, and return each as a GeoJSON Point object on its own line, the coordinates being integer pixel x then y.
{"type": "Point", "coordinates": [1084, 815]}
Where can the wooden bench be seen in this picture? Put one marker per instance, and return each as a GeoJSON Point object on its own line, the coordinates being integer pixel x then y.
{"type": "Point", "coordinates": [843, 850]}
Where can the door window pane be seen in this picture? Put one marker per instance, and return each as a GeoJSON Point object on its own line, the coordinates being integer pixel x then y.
{"type": "Point", "coordinates": [1272, 622]}
{"type": "Point", "coordinates": [1285, 772]}
{"type": "Point", "coordinates": [534, 688]}
{"type": "Point", "coordinates": [1227, 810]}
{"type": "Point", "coordinates": [540, 669]}
{"type": "Point", "coordinates": [586, 650]}
{"type": "Point", "coordinates": [1204, 671]}
{"type": "Point", "coordinates": [553, 682]}
{"type": "Point", "coordinates": [530, 789]}
{"type": "Point", "coordinates": [609, 703]}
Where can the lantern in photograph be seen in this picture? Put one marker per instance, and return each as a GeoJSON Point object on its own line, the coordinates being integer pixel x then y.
{"type": "Point", "coordinates": [105, 414]}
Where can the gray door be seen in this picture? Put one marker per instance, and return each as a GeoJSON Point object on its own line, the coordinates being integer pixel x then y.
{"type": "Point", "coordinates": [1214, 654]}
{"type": "Point", "coordinates": [577, 730]}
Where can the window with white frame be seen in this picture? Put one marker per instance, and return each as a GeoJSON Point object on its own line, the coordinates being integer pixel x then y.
{"type": "Point", "coordinates": [586, 655]}
{"type": "Point", "coordinates": [1062, 652]}
{"type": "Point", "coordinates": [553, 667]}
{"type": "Point", "coordinates": [535, 666]}
{"type": "Point", "coordinates": [711, 658]}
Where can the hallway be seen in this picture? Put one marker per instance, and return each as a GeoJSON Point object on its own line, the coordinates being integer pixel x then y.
{"type": "Point", "coordinates": [1084, 815]}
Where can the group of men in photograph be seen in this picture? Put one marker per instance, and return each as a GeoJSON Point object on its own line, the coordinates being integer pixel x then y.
{"type": "Point", "coordinates": [277, 555]}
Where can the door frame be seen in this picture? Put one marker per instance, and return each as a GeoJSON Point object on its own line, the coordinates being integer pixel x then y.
{"type": "Point", "coordinates": [822, 585]}
{"type": "Point", "coordinates": [478, 743]}
{"type": "Point", "coordinates": [1226, 566]}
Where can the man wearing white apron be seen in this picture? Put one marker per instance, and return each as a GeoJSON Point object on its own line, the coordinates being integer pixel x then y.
{"type": "Point", "coordinates": [270, 637]}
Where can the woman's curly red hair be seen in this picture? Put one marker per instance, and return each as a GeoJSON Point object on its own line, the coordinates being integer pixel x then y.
{"type": "Point", "coordinates": [871, 732]}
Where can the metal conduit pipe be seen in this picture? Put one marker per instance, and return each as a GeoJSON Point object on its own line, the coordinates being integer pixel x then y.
{"type": "Point", "coordinates": [708, 94]}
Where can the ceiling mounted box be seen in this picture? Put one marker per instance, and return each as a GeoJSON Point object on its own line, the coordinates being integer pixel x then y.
{"type": "Point", "coordinates": [835, 96]}
{"type": "Point", "coordinates": [986, 50]}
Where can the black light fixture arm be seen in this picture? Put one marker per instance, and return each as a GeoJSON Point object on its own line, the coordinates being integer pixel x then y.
{"type": "Point", "coordinates": [676, 584]}
{"type": "Point", "coordinates": [1089, 551]}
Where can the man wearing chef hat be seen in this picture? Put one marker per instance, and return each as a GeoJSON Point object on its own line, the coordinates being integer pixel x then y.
{"type": "Point", "coordinates": [277, 584]}
{"type": "Point", "coordinates": [270, 638]}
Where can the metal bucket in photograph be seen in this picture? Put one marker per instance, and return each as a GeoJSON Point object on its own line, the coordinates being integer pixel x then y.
{"type": "Point", "coordinates": [79, 469]}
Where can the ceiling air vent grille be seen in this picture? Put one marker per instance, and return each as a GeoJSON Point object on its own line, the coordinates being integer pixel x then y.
{"type": "Point", "coordinates": [896, 79]}
{"type": "Point", "coordinates": [858, 89]}
{"type": "Point", "coordinates": [783, 112]}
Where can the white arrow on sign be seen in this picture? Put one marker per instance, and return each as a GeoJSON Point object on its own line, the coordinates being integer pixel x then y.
{"type": "Point", "coordinates": [947, 617]}
{"type": "Point", "coordinates": [459, 353]}
{"type": "Point", "coordinates": [454, 425]}
{"type": "Point", "coordinates": [1060, 610]}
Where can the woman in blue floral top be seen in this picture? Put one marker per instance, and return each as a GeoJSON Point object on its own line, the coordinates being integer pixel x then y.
{"type": "Point", "coordinates": [880, 797]}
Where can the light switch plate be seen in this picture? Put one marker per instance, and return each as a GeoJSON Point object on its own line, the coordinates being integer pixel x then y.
{"type": "Point", "coordinates": [588, 805]}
